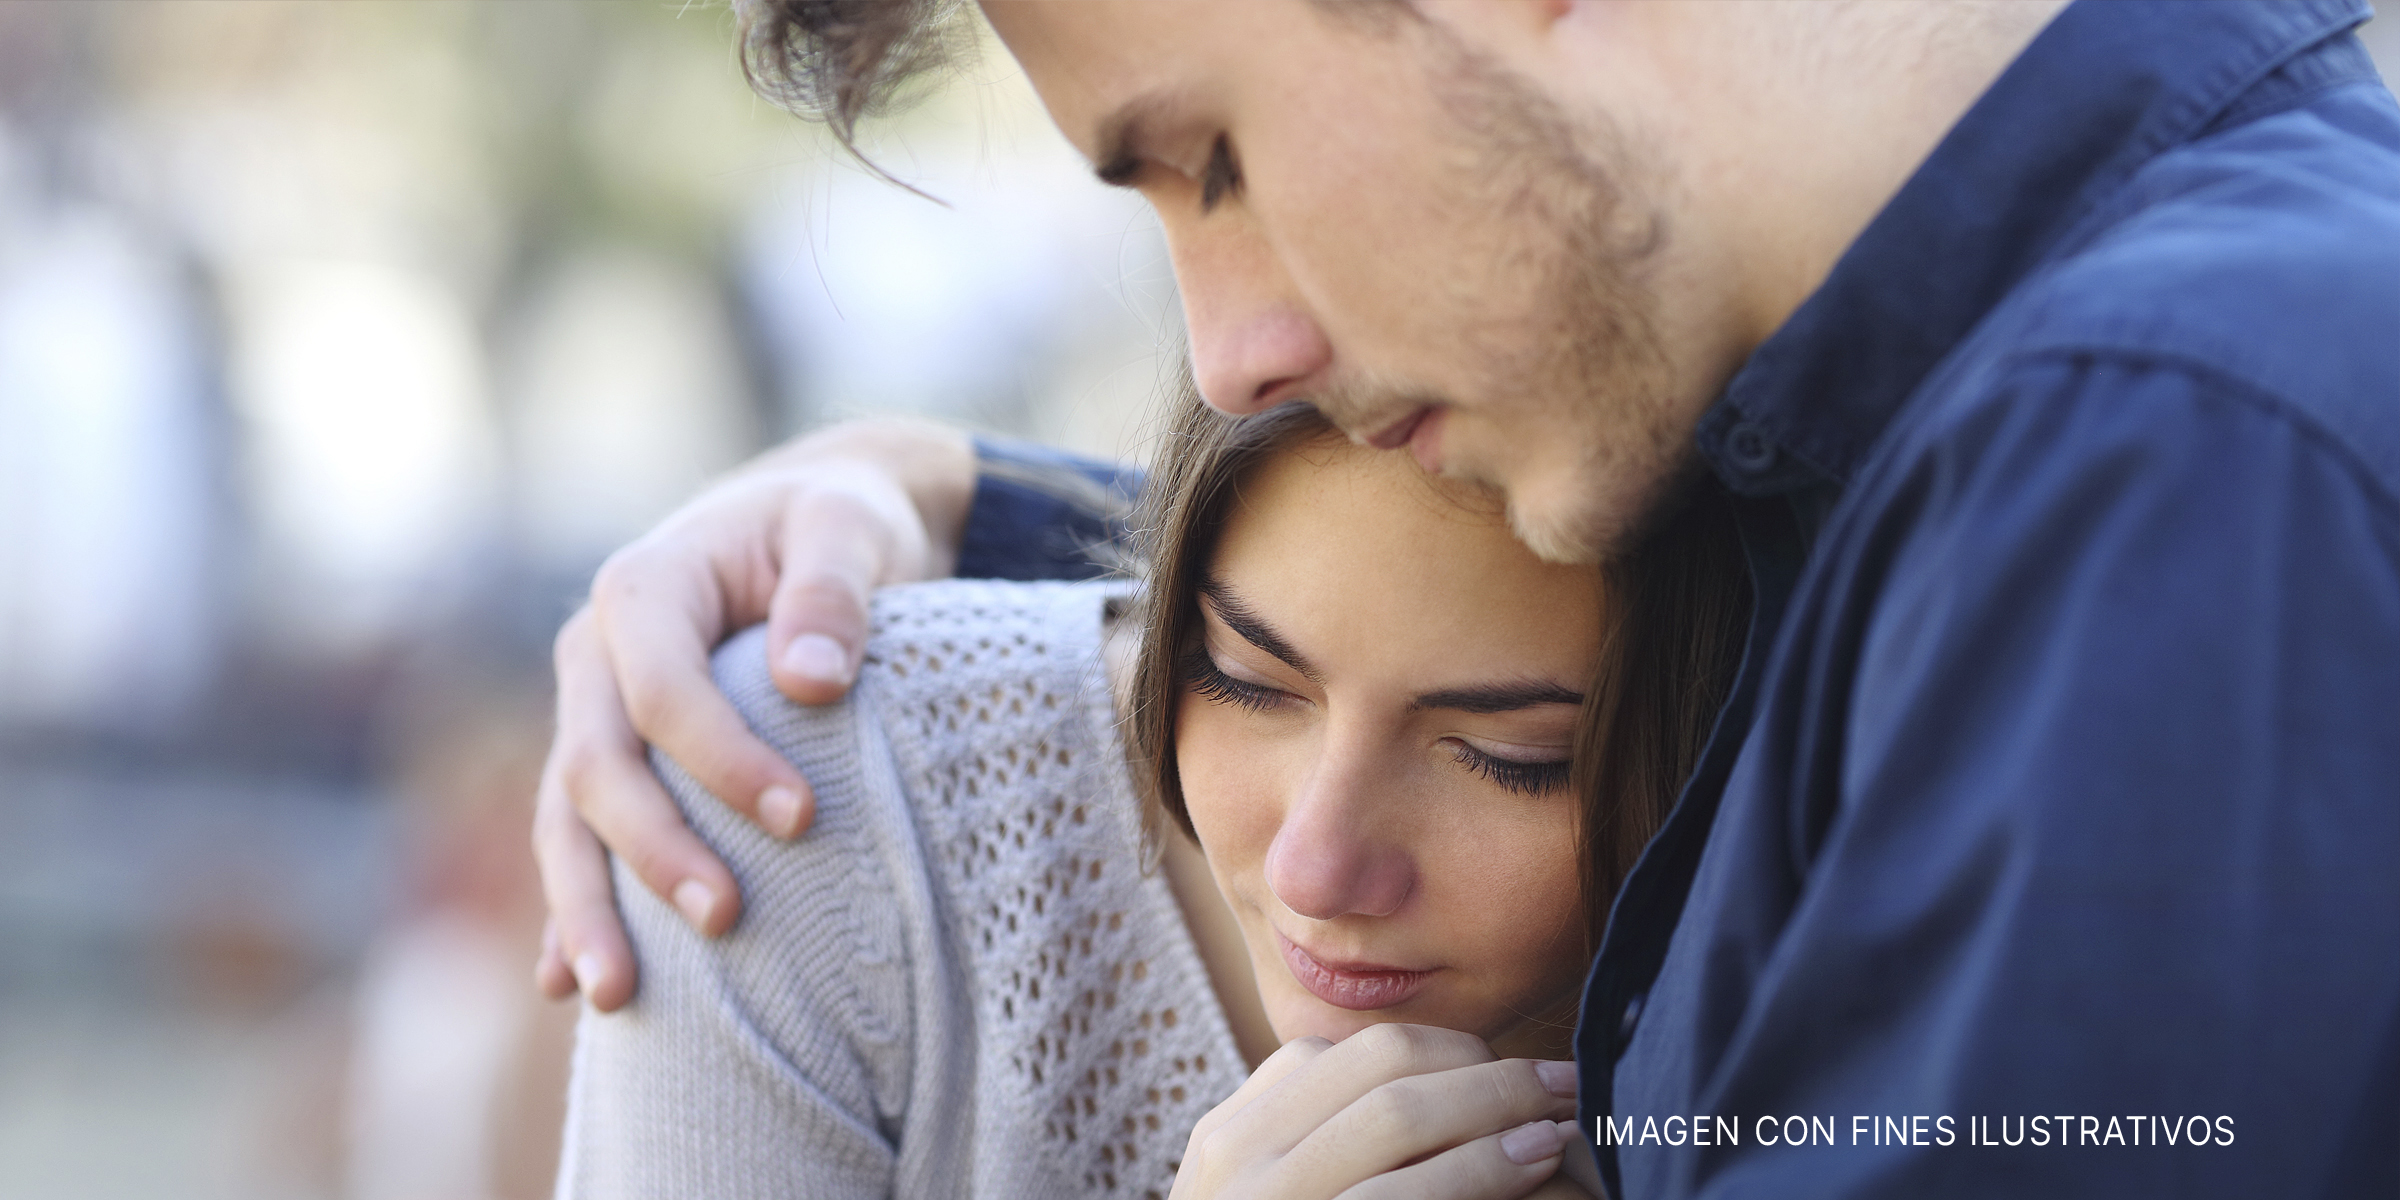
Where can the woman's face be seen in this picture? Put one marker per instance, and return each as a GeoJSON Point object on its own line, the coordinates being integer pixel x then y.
{"type": "Point", "coordinates": [1373, 743]}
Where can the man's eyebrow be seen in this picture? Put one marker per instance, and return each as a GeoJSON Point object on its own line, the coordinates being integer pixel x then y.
{"type": "Point", "coordinates": [1121, 138]}
{"type": "Point", "coordinates": [1241, 619]}
{"type": "Point", "coordinates": [1498, 697]}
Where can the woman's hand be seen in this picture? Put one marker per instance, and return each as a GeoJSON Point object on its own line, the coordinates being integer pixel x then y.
{"type": "Point", "coordinates": [1562, 1188]}
{"type": "Point", "coordinates": [800, 538]}
{"type": "Point", "coordinates": [1392, 1111]}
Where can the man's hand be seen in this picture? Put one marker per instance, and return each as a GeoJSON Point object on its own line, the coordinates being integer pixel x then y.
{"type": "Point", "coordinates": [1392, 1111]}
{"type": "Point", "coordinates": [799, 538]}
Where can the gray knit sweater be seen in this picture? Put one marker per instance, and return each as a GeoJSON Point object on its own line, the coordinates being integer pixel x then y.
{"type": "Point", "coordinates": [961, 982]}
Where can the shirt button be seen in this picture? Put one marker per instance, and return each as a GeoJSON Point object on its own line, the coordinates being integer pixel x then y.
{"type": "Point", "coordinates": [1749, 448]}
{"type": "Point", "coordinates": [1632, 1017]}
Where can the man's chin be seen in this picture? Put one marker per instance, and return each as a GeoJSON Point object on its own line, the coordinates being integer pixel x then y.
{"type": "Point", "coordinates": [1556, 534]}
{"type": "Point", "coordinates": [1590, 517]}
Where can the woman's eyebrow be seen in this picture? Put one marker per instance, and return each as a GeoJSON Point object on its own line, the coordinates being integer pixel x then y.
{"type": "Point", "coordinates": [1497, 697]}
{"type": "Point", "coordinates": [1253, 629]}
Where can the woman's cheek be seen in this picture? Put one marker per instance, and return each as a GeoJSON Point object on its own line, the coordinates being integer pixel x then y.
{"type": "Point", "coordinates": [1548, 915]}
{"type": "Point", "coordinates": [1508, 894]}
{"type": "Point", "coordinates": [1227, 771]}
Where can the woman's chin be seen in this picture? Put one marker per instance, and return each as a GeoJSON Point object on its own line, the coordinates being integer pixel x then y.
{"type": "Point", "coordinates": [1306, 1016]}
{"type": "Point", "coordinates": [1315, 1019]}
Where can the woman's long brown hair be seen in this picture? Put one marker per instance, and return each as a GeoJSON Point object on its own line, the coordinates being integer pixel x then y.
{"type": "Point", "coordinates": [1675, 611]}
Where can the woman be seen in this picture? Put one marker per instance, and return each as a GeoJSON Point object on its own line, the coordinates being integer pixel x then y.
{"type": "Point", "coordinates": [1415, 762]}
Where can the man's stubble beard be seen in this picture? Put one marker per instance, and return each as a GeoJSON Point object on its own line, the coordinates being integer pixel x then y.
{"type": "Point", "coordinates": [1587, 371]}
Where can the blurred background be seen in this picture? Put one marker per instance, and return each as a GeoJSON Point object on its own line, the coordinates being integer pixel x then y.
{"type": "Point", "coordinates": [338, 343]}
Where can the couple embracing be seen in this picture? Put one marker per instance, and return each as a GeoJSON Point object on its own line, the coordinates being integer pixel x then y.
{"type": "Point", "coordinates": [1888, 607]}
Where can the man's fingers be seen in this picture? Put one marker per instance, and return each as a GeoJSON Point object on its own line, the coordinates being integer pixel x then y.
{"type": "Point", "coordinates": [648, 665]}
{"type": "Point", "coordinates": [634, 814]}
{"type": "Point", "coordinates": [1499, 1166]}
{"type": "Point", "coordinates": [1411, 1117]}
{"type": "Point", "coordinates": [602, 769]}
{"type": "Point", "coordinates": [815, 637]}
{"type": "Point", "coordinates": [550, 973]}
{"type": "Point", "coordinates": [585, 942]}
{"type": "Point", "coordinates": [846, 534]}
{"type": "Point", "coordinates": [633, 666]}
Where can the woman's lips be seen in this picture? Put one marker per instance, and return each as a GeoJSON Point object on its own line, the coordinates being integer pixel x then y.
{"type": "Point", "coordinates": [1355, 986]}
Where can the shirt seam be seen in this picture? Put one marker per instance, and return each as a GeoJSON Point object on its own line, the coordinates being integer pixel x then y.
{"type": "Point", "coordinates": [2213, 375]}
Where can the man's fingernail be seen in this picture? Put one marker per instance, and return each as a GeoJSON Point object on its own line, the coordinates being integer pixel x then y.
{"type": "Point", "coordinates": [779, 811]}
{"type": "Point", "coordinates": [696, 901]}
{"type": "Point", "coordinates": [815, 656]}
{"type": "Point", "coordinates": [1532, 1142]}
{"type": "Point", "coordinates": [587, 972]}
{"type": "Point", "coordinates": [1557, 1077]}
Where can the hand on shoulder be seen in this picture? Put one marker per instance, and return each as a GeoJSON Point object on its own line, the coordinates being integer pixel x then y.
{"type": "Point", "coordinates": [799, 538]}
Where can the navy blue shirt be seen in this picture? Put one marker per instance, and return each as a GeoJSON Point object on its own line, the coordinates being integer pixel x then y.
{"type": "Point", "coordinates": [2057, 804]}
{"type": "Point", "coordinates": [2063, 776]}
{"type": "Point", "coordinates": [1039, 513]}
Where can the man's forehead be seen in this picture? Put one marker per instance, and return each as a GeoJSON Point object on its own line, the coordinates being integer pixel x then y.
{"type": "Point", "coordinates": [1112, 68]}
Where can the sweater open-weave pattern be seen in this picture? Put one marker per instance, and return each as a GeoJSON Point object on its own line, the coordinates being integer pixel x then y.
{"type": "Point", "coordinates": [961, 982]}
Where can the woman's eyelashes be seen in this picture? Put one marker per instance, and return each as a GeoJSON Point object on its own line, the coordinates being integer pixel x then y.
{"type": "Point", "coordinates": [1211, 683]}
{"type": "Point", "coordinates": [1527, 778]}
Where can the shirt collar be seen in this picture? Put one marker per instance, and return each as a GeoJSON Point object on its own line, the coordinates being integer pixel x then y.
{"type": "Point", "coordinates": [2100, 91]}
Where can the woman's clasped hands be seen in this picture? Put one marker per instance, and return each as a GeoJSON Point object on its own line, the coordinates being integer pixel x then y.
{"type": "Point", "coordinates": [1392, 1111]}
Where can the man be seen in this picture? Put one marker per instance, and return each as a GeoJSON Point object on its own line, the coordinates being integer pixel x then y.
{"type": "Point", "coordinates": [2047, 840]}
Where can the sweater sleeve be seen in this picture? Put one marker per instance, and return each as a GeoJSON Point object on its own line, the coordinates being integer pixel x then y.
{"type": "Point", "coordinates": [776, 1060]}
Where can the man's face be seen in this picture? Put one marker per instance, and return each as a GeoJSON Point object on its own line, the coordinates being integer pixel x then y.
{"type": "Point", "coordinates": [1368, 212]}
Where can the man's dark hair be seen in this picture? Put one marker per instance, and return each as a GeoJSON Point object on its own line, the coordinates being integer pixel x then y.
{"type": "Point", "coordinates": [839, 60]}
{"type": "Point", "coordinates": [836, 61]}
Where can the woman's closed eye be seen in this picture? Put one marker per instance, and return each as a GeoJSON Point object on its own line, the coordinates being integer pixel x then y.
{"type": "Point", "coordinates": [1523, 776]}
{"type": "Point", "coordinates": [1210, 682]}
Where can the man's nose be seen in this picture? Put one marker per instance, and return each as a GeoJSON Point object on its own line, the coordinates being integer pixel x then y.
{"type": "Point", "coordinates": [1330, 858]}
{"type": "Point", "coordinates": [1254, 345]}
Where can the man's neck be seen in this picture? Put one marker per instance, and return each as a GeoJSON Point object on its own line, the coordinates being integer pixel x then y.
{"type": "Point", "coordinates": [1847, 110]}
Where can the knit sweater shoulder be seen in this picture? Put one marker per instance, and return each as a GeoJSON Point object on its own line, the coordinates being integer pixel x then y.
{"type": "Point", "coordinates": [962, 981]}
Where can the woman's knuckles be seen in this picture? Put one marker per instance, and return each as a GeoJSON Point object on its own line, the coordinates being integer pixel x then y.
{"type": "Point", "coordinates": [1392, 1050]}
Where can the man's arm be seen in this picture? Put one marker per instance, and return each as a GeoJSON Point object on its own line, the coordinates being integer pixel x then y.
{"type": "Point", "coordinates": [1044, 514]}
{"type": "Point", "coordinates": [799, 539]}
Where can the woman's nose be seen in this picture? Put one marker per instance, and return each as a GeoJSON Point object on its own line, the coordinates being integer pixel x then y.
{"type": "Point", "coordinates": [1251, 338]}
{"type": "Point", "coordinates": [1330, 860]}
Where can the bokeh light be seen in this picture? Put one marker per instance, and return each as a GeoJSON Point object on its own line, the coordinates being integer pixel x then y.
{"type": "Point", "coordinates": [338, 343]}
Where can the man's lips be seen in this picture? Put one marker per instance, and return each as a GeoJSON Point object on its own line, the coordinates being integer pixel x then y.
{"type": "Point", "coordinates": [1355, 986]}
{"type": "Point", "coordinates": [1420, 431]}
{"type": "Point", "coordinates": [1397, 433]}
